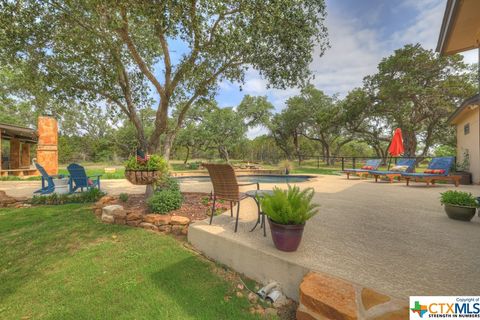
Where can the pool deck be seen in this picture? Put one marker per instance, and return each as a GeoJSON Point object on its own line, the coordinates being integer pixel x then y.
{"type": "Point", "coordinates": [389, 237]}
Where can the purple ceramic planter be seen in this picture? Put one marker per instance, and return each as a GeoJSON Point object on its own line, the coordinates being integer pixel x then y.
{"type": "Point", "coordinates": [286, 237]}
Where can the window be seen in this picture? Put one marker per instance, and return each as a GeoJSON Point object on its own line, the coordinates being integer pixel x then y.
{"type": "Point", "coordinates": [466, 129]}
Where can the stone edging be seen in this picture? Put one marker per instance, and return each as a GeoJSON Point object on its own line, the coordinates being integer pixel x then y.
{"type": "Point", "coordinates": [116, 214]}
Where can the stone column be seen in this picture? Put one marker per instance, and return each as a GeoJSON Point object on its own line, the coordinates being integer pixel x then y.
{"type": "Point", "coordinates": [25, 159]}
{"type": "Point", "coordinates": [47, 149]}
{"type": "Point", "coordinates": [14, 154]}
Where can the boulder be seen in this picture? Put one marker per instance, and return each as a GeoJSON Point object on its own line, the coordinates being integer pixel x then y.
{"type": "Point", "coordinates": [148, 226]}
{"type": "Point", "coordinates": [105, 200]}
{"type": "Point", "coordinates": [132, 216]}
{"type": "Point", "coordinates": [157, 219]}
{"type": "Point", "coordinates": [114, 210]}
{"type": "Point", "coordinates": [108, 219]}
{"type": "Point", "coordinates": [165, 228]}
{"type": "Point", "coordinates": [179, 220]}
{"type": "Point", "coordinates": [133, 223]}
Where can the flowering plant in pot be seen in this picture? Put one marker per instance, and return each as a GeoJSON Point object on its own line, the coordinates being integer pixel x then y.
{"type": "Point", "coordinates": [146, 171]}
{"type": "Point", "coordinates": [459, 205]}
{"type": "Point", "coordinates": [287, 212]}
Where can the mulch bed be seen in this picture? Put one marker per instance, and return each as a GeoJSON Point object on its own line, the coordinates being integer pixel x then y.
{"type": "Point", "coordinates": [193, 206]}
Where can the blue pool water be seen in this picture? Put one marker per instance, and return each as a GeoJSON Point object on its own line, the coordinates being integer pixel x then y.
{"type": "Point", "coordinates": [254, 178]}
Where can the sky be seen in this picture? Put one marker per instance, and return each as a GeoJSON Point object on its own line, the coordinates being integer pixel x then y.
{"type": "Point", "coordinates": [361, 33]}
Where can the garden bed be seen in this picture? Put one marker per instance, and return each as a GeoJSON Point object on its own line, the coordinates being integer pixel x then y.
{"type": "Point", "coordinates": [133, 211]}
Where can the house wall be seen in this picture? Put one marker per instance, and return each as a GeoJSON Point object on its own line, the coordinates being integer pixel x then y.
{"type": "Point", "coordinates": [470, 142]}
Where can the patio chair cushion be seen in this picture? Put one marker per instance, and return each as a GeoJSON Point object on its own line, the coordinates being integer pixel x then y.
{"type": "Point", "coordinates": [399, 168]}
{"type": "Point", "coordinates": [435, 171]}
{"type": "Point", "coordinates": [368, 168]}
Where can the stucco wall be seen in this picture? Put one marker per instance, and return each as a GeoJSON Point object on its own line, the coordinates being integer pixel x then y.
{"type": "Point", "coordinates": [470, 142]}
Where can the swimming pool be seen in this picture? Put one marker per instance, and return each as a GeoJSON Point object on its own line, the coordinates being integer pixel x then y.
{"type": "Point", "coordinates": [253, 178]}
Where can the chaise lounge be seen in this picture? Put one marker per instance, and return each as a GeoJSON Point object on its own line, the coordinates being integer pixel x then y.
{"type": "Point", "coordinates": [370, 165]}
{"type": "Point", "coordinates": [402, 166]}
{"type": "Point", "coordinates": [438, 170]}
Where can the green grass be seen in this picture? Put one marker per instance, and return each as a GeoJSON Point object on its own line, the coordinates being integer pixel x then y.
{"type": "Point", "coordinates": [61, 263]}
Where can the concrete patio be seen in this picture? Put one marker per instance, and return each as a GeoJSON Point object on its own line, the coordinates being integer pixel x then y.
{"type": "Point", "coordinates": [392, 238]}
{"type": "Point", "coordinates": [389, 237]}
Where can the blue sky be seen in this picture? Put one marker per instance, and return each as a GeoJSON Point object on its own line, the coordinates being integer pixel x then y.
{"type": "Point", "coordinates": [361, 32]}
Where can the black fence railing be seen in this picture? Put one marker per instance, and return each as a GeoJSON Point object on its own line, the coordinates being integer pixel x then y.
{"type": "Point", "coordinates": [356, 162]}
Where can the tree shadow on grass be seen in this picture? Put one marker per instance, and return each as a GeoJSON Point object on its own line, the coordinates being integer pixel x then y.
{"type": "Point", "coordinates": [196, 289]}
{"type": "Point", "coordinates": [35, 239]}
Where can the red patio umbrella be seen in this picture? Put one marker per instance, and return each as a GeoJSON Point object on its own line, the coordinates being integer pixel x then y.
{"type": "Point", "coordinates": [396, 146]}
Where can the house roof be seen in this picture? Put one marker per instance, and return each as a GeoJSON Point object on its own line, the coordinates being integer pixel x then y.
{"type": "Point", "coordinates": [470, 102]}
{"type": "Point", "coordinates": [460, 29]}
{"type": "Point", "coordinates": [9, 131]}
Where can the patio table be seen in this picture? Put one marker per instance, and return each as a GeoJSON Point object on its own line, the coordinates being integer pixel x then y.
{"type": "Point", "coordinates": [255, 195]}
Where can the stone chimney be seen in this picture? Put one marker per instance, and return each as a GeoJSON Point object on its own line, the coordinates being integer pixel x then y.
{"type": "Point", "coordinates": [47, 149]}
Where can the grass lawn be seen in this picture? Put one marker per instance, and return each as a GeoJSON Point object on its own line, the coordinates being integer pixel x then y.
{"type": "Point", "coordinates": [59, 262]}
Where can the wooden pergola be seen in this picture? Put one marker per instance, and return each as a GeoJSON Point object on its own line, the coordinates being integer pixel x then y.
{"type": "Point", "coordinates": [18, 161]}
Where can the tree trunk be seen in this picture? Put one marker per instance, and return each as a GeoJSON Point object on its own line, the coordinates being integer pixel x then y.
{"type": "Point", "coordinates": [224, 153]}
{"type": "Point", "coordinates": [297, 148]}
{"type": "Point", "coordinates": [167, 145]}
{"type": "Point", "coordinates": [188, 155]}
{"type": "Point", "coordinates": [410, 143]}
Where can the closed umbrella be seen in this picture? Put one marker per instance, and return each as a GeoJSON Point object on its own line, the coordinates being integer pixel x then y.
{"type": "Point", "coordinates": [396, 145]}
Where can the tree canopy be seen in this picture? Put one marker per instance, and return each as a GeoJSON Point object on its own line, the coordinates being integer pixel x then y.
{"type": "Point", "coordinates": [119, 54]}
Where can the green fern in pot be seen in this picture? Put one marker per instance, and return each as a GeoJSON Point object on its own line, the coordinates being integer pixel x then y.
{"type": "Point", "coordinates": [287, 212]}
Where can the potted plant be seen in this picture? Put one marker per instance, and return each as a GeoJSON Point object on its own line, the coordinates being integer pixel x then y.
{"type": "Point", "coordinates": [459, 205]}
{"type": "Point", "coordinates": [287, 212]}
{"type": "Point", "coordinates": [462, 168]}
{"type": "Point", "coordinates": [286, 166]}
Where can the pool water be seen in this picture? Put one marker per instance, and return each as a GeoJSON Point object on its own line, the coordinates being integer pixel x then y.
{"type": "Point", "coordinates": [253, 179]}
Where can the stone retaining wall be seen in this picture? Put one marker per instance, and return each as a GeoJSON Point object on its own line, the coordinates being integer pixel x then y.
{"type": "Point", "coordinates": [116, 214]}
{"type": "Point", "coordinates": [12, 202]}
{"type": "Point", "coordinates": [326, 297]}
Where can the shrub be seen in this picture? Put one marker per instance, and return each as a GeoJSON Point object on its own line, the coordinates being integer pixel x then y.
{"type": "Point", "coordinates": [165, 201]}
{"type": "Point", "coordinates": [123, 197]}
{"type": "Point", "coordinates": [458, 198]}
{"type": "Point", "coordinates": [91, 195]}
{"type": "Point", "coordinates": [154, 163]}
{"type": "Point", "coordinates": [285, 165]}
{"type": "Point", "coordinates": [168, 183]}
{"type": "Point", "coordinates": [290, 206]}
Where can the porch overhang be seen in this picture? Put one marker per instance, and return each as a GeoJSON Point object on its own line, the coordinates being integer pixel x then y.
{"type": "Point", "coordinates": [25, 135]}
{"type": "Point", "coordinates": [460, 29]}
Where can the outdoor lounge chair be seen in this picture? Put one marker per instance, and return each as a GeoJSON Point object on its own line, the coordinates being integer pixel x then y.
{"type": "Point", "coordinates": [80, 180]}
{"type": "Point", "coordinates": [408, 164]}
{"type": "Point", "coordinates": [46, 179]}
{"type": "Point", "coordinates": [439, 171]}
{"type": "Point", "coordinates": [226, 187]}
{"type": "Point", "coordinates": [370, 165]}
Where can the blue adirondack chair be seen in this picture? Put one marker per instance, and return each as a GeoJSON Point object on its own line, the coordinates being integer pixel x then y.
{"type": "Point", "coordinates": [80, 180]}
{"type": "Point", "coordinates": [47, 180]}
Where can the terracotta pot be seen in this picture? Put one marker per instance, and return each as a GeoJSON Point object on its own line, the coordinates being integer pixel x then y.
{"type": "Point", "coordinates": [142, 177]}
{"type": "Point", "coordinates": [286, 237]}
{"type": "Point", "coordinates": [459, 212]}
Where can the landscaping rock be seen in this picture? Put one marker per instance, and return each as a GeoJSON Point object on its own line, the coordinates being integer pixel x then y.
{"type": "Point", "coordinates": [105, 200]}
{"type": "Point", "coordinates": [133, 223]}
{"type": "Point", "coordinates": [148, 226]}
{"type": "Point", "coordinates": [177, 229]}
{"type": "Point", "coordinates": [98, 212]}
{"type": "Point", "coordinates": [134, 216]}
{"type": "Point", "coordinates": [179, 220]}
{"type": "Point", "coordinates": [165, 228]}
{"type": "Point", "coordinates": [114, 210]}
{"type": "Point", "coordinates": [120, 221]}
{"type": "Point", "coordinates": [107, 219]}
{"type": "Point", "coordinates": [185, 230]}
{"type": "Point", "coordinates": [335, 300]}
{"type": "Point", "coordinates": [157, 219]}
{"type": "Point", "coordinates": [372, 298]}
{"type": "Point", "coordinates": [326, 297]}
{"type": "Point", "coordinates": [252, 297]}
{"type": "Point", "coordinates": [270, 312]}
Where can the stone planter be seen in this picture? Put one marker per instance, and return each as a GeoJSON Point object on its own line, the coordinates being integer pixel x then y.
{"type": "Point", "coordinates": [286, 237]}
{"type": "Point", "coordinates": [142, 177]}
{"type": "Point", "coordinates": [459, 212]}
